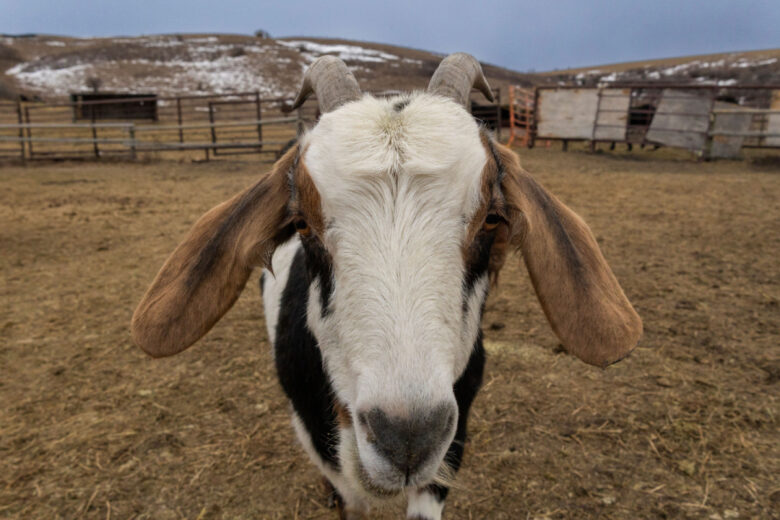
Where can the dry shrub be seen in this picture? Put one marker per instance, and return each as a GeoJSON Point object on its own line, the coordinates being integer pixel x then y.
{"type": "Point", "coordinates": [7, 91]}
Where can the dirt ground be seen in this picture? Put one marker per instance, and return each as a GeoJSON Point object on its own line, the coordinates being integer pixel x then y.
{"type": "Point", "coordinates": [686, 427]}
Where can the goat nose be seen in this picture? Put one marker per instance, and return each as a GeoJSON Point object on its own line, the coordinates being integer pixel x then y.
{"type": "Point", "coordinates": [408, 442]}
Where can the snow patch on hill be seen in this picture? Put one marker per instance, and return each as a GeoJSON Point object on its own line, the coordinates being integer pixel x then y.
{"type": "Point", "coordinates": [345, 52]}
{"type": "Point", "coordinates": [183, 65]}
{"type": "Point", "coordinates": [209, 66]}
{"type": "Point", "coordinates": [699, 71]}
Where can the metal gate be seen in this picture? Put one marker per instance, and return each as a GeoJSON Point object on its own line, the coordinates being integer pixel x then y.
{"type": "Point", "coordinates": [230, 129]}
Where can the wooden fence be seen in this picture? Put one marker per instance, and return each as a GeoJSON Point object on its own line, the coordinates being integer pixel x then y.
{"type": "Point", "coordinates": [711, 121]}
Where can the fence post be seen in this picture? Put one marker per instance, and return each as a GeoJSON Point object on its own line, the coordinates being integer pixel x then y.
{"type": "Point", "coordinates": [511, 116]}
{"type": "Point", "coordinates": [131, 134]}
{"type": "Point", "coordinates": [29, 131]}
{"type": "Point", "coordinates": [21, 129]}
{"type": "Point", "coordinates": [94, 137]}
{"type": "Point", "coordinates": [532, 123]}
{"type": "Point", "coordinates": [498, 113]}
{"type": "Point", "coordinates": [213, 130]}
{"type": "Point", "coordinates": [707, 151]}
{"type": "Point", "coordinates": [259, 118]}
{"type": "Point", "coordinates": [178, 113]}
{"type": "Point", "coordinates": [592, 146]}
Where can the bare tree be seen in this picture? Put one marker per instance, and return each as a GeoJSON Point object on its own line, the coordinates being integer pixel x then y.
{"type": "Point", "coordinates": [94, 83]}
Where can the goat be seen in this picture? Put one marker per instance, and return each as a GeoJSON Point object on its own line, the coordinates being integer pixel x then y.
{"type": "Point", "coordinates": [379, 232]}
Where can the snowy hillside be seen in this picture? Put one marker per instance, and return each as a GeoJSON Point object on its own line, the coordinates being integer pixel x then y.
{"type": "Point", "coordinates": [755, 67]}
{"type": "Point", "coordinates": [53, 67]}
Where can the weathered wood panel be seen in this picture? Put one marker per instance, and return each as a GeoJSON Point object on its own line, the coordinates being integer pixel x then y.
{"type": "Point", "coordinates": [728, 146]}
{"type": "Point", "coordinates": [567, 113]}
{"type": "Point", "coordinates": [773, 121]}
{"type": "Point", "coordinates": [612, 116]}
{"type": "Point", "coordinates": [682, 119]}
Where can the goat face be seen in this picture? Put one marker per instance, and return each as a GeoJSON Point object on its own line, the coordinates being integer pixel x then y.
{"type": "Point", "coordinates": [397, 290]}
{"type": "Point", "coordinates": [404, 207]}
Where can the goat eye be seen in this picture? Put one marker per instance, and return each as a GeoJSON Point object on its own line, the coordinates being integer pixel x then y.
{"type": "Point", "coordinates": [302, 227]}
{"type": "Point", "coordinates": [491, 222]}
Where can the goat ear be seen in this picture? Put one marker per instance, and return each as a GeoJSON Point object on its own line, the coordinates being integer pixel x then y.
{"type": "Point", "coordinates": [205, 274]}
{"type": "Point", "coordinates": [581, 298]}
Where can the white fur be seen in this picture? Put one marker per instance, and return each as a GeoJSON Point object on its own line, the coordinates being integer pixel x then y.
{"type": "Point", "coordinates": [275, 283]}
{"type": "Point", "coordinates": [423, 505]}
{"type": "Point", "coordinates": [398, 189]}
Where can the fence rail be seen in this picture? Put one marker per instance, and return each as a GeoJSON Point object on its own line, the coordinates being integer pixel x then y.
{"type": "Point", "coordinates": [132, 143]}
{"type": "Point", "coordinates": [240, 123]}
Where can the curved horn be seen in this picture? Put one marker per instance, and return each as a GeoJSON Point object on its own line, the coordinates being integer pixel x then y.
{"type": "Point", "coordinates": [456, 75]}
{"type": "Point", "coordinates": [331, 80]}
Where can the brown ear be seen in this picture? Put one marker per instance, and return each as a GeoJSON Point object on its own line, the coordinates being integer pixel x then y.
{"type": "Point", "coordinates": [206, 273]}
{"type": "Point", "coordinates": [581, 298]}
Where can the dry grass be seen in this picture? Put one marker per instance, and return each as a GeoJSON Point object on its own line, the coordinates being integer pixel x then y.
{"type": "Point", "coordinates": [687, 427]}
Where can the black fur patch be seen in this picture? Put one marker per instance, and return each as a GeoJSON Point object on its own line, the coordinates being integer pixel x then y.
{"type": "Point", "coordinates": [319, 267]}
{"type": "Point", "coordinates": [400, 105]}
{"type": "Point", "coordinates": [466, 388]}
{"type": "Point", "coordinates": [479, 261]}
{"type": "Point", "coordinates": [299, 365]}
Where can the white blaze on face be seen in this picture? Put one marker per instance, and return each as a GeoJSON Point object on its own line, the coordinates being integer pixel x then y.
{"type": "Point", "coordinates": [398, 189]}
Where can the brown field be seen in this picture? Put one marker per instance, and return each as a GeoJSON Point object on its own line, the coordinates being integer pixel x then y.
{"type": "Point", "coordinates": [687, 427]}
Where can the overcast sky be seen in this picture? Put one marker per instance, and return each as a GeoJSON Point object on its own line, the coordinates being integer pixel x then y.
{"type": "Point", "coordinates": [520, 34]}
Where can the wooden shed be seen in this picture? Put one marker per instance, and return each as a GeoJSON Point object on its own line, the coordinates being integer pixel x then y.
{"type": "Point", "coordinates": [94, 106]}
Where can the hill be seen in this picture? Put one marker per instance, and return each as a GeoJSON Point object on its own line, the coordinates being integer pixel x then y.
{"type": "Point", "coordinates": [751, 67]}
{"type": "Point", "coordinates": [51, 67]}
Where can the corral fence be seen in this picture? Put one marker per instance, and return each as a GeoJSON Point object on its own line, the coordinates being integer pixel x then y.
{"type": "Point", "coordinates": [711, 121]}
{"type": "Point", "coordinates": [215, 125]}
{"type": "Point", "coordinates": [109, 125]}
{"type": "Point", "coordinates": [521, 115]}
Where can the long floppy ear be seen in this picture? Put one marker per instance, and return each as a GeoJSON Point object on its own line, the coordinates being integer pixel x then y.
{"type": "Point", "coordinates": [206, 273]}
{"type": "Point", "coordinates": [581, 298]}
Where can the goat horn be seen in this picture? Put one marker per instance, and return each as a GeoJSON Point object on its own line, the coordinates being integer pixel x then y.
{"type": "Point", "coordinates": [330, 79]}
{"type": "Point", "coordinates": [456, 75]}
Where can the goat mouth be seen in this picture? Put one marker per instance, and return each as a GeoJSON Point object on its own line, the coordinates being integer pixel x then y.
{"type": "Point", "coordinates": [372, 487]}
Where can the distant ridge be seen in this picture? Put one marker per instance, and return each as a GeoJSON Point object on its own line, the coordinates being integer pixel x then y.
{"type": "Point", "coordinates": [51, 67]}
{"type": "Point", "coordinates": [174, 64]}
{"type": "Point", "coordinates": [728, 68]}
